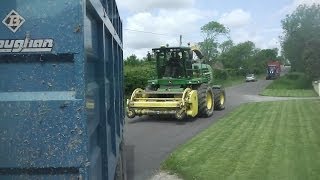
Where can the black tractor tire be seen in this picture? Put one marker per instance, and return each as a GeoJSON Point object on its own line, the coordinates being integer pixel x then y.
{"type": "Point", "coordinates": [203, 110]}
{"type": "Point", "coordinates": [121, 168]}
{"type": "Point", "coordinates": [219, 103]}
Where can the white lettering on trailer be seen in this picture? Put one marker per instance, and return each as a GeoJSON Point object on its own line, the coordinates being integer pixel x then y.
{"type": "Point", "coordinates": [26, 45]}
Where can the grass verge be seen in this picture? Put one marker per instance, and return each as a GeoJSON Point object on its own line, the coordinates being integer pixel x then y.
{"type": "Point", "coordinates": [269, 140]}
{"type": "Point", "coordinates": [231, 81]}
{"type": "Point", "coordinates": [290, 85]}
{"type": "Point", "coordinates": [289, 92]}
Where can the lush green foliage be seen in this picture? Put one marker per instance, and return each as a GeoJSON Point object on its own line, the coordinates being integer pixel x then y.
{"type": "Point", "coordinates": [301, 41]}
{"type": "Point", "coordinates": [137, 73]}
{"type": "Point", "coordinates": [247, 57]}
{"type": "Point", "coordinates": [243, 56]}
{"type": "Point", "coordinates": [270, 140]}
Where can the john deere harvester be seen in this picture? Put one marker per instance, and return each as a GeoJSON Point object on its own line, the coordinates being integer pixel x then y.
{"type": "Point", "coordinates": [184, 87]}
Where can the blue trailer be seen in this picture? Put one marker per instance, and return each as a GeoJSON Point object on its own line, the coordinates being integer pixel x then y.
{"type": "Point", "coordinates": [61, 90]}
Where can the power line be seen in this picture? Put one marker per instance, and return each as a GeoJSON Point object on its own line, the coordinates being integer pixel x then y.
{"type": "Point", "coordinates": [148, 32]}
{"type": "Point", "coordinates": [160, 34]}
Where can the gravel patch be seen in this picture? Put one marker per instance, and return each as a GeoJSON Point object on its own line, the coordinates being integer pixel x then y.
{"type": "Point", "coordinates": [257, 98]}
{"type": "Point", "coordinates": [165, 176]}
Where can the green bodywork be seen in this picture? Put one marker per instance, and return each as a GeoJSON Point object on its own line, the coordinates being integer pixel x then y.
{"type": "Point", "coordinates": [190, 74]}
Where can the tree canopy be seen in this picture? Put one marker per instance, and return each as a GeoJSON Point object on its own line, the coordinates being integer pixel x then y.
{"type": "Point", "coordinates": [301, 40]}
{"type": "Point", "coordinates": [211, 32]}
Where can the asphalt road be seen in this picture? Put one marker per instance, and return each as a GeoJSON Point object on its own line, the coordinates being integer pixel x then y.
{"type": "Point", "coordinates": [149, 141]}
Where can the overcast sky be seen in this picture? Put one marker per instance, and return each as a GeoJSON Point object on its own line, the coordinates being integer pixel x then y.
{"type": "Point", "coordinates": [253, 20]}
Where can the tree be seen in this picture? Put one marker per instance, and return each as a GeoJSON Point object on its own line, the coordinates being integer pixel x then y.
{"type": "Point", "coordinates": [301, 37]}
{"type": "Point", "coordinates": [311, 57]}
{"type": "Point", "coordinates": [261, 58]}
{"type": "Point", "coordinates": [211, 31]}
{"type": "Point", "coordinates": [246, 58]}
{"type": "Point", "coordinates": [239, 56]}
{"type": "Point", "coordinates": [226, 46]}
{"type": "Point", "coordinates": [132, 60]}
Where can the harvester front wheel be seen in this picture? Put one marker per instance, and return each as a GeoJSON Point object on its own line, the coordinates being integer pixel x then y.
{"type": "Point", "coordinates": [205, 101]}
{"type": "Point", "coordinates": [219, 99]}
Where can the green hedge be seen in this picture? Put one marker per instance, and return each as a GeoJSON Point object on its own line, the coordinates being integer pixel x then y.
{"type": "Point", "coordinates": [220, 74]}
{"type": "Point", "coordinates": [137, 76]}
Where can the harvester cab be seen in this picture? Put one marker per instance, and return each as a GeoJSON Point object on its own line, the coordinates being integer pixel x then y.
{"type": "Point", "coordinates": [182, 87]}
{"type": "Point", "coordinates": [172, 62]}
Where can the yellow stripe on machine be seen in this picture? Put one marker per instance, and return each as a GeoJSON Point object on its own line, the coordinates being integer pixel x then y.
{"type": "Point", "coordinates": [155, 104]}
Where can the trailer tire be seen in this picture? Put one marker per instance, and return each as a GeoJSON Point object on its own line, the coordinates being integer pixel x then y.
{"type": "Point", "coordinates": [121, 169]}
{"type": "Point", "coordinates": [205, 101]}
{"type": "Point", "coordinates": [219, 99]}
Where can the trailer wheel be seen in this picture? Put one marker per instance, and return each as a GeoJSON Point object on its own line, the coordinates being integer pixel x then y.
{"type": "Point", "coordinates": [121, 170]}
{"type": "Point", "coordinates": [219, 99]}
{"type": "Point", "coordinates": [205, 100]}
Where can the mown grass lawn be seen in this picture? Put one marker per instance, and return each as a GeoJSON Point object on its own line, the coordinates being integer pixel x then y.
{"type": "Point", "coordinates": [289, 92]}
{"type": "Point", "coordinates": [269, 140]}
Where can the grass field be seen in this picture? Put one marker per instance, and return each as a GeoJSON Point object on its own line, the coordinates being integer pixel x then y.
{"type": "Point", "coordinates": [289, 92]}
{"type": "Point", "coordinates": [290, 85]}
{"type": "Point", "coordinates": [270, 140]}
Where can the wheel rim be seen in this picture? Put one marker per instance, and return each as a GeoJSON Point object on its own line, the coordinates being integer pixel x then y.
{"type": "Point", "coordinates": [209, 100]}
{"type": "Point", "coordinates": [222, 99]}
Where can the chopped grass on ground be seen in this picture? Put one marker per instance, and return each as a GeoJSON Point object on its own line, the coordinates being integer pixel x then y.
{"type": "Point", "coordinates": [290, 85]}
{"type": "Point", "coordinates": [270, 140]}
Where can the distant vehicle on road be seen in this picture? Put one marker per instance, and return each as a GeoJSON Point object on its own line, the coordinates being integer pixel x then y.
{"type": "Point", "coordinates": [250, 78]}
{"type": "Point", "coordinates": [273, 70]}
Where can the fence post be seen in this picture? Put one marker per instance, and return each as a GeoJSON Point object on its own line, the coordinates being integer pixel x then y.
{"type": "Point", "coordinates": [318, 87]}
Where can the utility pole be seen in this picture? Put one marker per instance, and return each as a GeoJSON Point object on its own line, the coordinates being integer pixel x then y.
{"type": "Point", "coordinates": [180, 40]}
